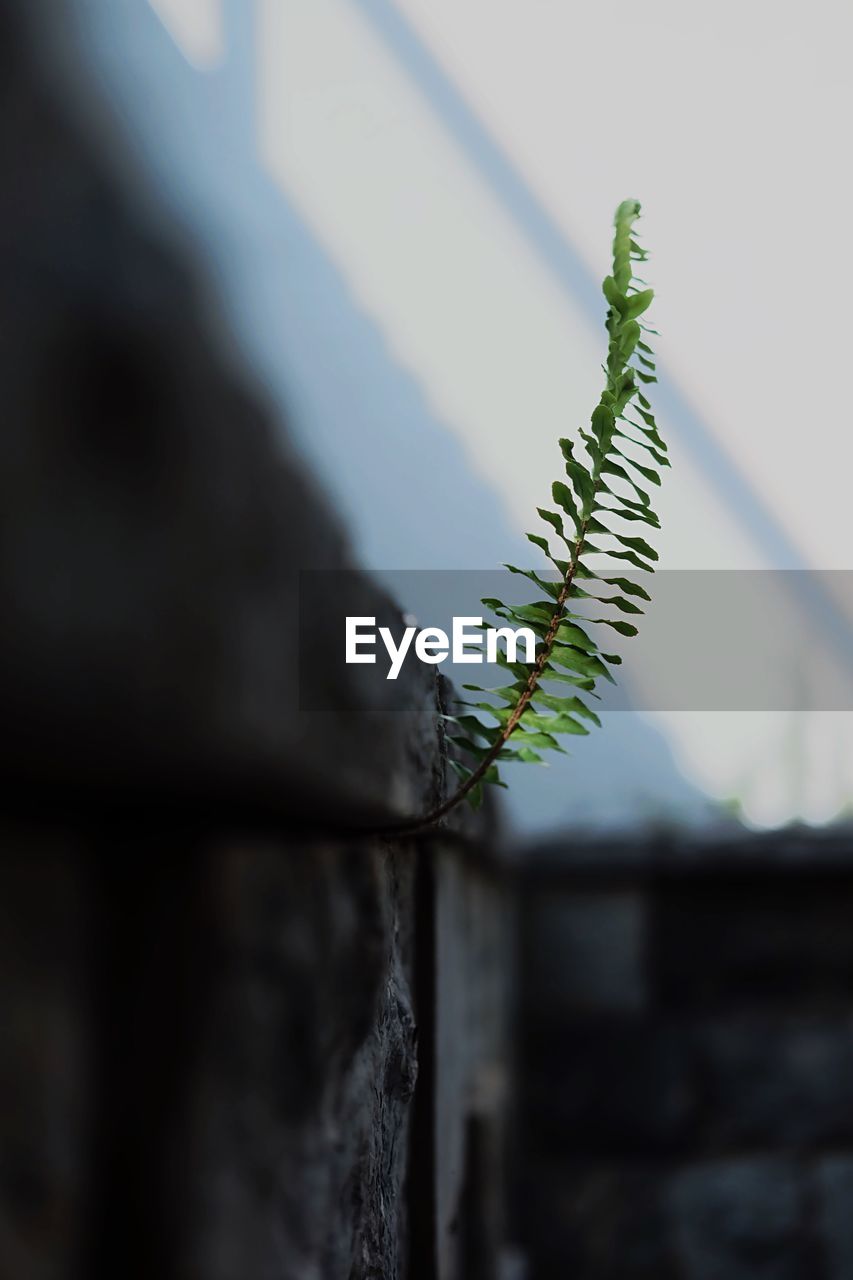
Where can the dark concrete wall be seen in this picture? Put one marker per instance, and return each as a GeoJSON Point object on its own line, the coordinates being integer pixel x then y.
{"type": "Point", "coordinates": [686, 1106]}
{"type": "Point", "coordinates": [218, 984]}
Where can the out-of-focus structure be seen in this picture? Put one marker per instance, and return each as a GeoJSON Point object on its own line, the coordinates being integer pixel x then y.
{"type": "Point", "coordinates": [226, 999]}
{"type": "Point", "coordinates": [685, 1046]}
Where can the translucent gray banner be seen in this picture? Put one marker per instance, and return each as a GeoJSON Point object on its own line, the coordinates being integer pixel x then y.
{"type": "Point", "coordinates": [735, 640]}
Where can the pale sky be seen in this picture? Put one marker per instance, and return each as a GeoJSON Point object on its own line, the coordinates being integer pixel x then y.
{"type": "Point", "coordinates": [730, 122]}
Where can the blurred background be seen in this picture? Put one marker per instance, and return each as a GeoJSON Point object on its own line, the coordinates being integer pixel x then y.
{"type": "Point", "coordinates": [407, 210]}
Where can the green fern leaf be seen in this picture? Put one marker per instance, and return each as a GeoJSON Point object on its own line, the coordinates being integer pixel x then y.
{"type": "Point", "coordinates": [528, 715]}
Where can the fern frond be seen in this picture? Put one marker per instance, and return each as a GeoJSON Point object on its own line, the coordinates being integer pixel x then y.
{"type": "Point", "coordinates": [603, 494]}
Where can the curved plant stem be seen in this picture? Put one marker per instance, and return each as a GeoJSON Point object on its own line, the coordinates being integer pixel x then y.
{"type": "Point", "coordinates": [430, 819]}
{"type": "Point", "coordinates": [623, 380]}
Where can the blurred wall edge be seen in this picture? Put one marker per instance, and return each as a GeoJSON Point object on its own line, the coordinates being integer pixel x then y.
{"type": "Point", "coordinates": [242, 1036]}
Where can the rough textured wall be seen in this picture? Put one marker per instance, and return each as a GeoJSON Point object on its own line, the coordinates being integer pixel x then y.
{"type": "Point", "coordinates": [210, 1054]}
{"type": "Point", "coordinates": [306, 1065]}
{"type": "Point", "coordinates": [686, 1102]}
{"type": "Point", "coordinates": [208, 981]}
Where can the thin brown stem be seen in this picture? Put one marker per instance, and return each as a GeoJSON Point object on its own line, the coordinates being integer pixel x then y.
{"type": "Point", "coordinates": [616, 396]}
{"type": "Point", "coordinates": [429, 820]}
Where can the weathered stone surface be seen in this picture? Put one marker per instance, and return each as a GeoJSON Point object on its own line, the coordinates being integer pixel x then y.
{"type": "Point", "coordinates": [307, 1066]}
{"type": "Point", "coordinates": [210, 1000]}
